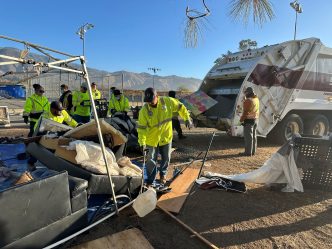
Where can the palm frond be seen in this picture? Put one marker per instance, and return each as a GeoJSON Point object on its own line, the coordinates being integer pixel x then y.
{"type": "Point", "coordinates": [261, 10]}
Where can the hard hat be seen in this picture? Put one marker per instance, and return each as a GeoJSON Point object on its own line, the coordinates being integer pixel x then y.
{"type": "Point", "coordinates": [149, 94]}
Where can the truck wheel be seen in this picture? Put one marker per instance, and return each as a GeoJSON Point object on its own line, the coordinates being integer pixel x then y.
{"type": "Point", "coordinates": [319, 126]}
{"type": "Point", "coordinates": [290, 125]}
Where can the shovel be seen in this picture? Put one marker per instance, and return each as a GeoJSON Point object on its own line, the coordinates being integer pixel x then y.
{"type": "Point", "coordinates": [206, 153]}
{"type": "Point", "coordinates": [145, 152]}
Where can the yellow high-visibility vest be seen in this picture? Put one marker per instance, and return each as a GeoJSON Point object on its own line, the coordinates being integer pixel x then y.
{"type": "Point", "coordinates": [64, 117]}
{"type": "Point", "coordinates": [119, 105]}
{"type": "Point", "coordinates": [81, 103]}
{"type": "Point", "coordinates": [155, 124]}
{"type": "Point", "coordinates": [96, 94]}
{"type": "Point", "coordinates": [34, 107]}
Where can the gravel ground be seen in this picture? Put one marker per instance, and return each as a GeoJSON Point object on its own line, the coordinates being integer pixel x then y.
{"type": "Point", "coordinates": [260, 218]}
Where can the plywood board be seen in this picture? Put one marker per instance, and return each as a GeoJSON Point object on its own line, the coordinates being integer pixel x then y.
{"type": "Point", "coordinates": [181, 186]}
{"type": "Point", "coordinates": [173, 202]}
{"type": "Point", "coordinates": [128, 239]}
{"type": "Point", "coordinates": [90, 129]}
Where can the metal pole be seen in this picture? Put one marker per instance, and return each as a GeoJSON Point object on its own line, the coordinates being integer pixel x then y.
{"type": "Point", "coordinates": [35, 45]}
{"type": "Point", "coordinates": [109, 90]}
{"type": "Point", "coordinates": [153, 79]}
{"type": "Point", "coordinates": [83, 38]}
{"type": "Point", "coordinates": [295, 25]}
{"type": "Point", "coordinates": [122, 82]}
{"type": "Point", "coordinates": [100, 136]}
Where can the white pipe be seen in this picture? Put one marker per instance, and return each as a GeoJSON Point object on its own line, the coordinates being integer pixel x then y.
{"type": "Point", "coordinates": [86, 228]}
{"type": "Point", "coordinates": [100, 136]}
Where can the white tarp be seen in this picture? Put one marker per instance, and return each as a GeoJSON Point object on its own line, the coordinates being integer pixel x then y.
{"type": "Point", "coordinates": [277, 169]}
{"type": "Point", "coordinates": [90, 157]}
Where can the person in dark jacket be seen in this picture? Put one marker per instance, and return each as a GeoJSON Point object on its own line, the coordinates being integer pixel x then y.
{"type": "Point", "coordinates": [66, 99]}
{"type": "Point", "coordinates": [175, 119]}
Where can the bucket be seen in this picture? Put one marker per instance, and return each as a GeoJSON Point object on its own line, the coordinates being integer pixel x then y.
{"type": "Point", "coordinates": [145, 202]}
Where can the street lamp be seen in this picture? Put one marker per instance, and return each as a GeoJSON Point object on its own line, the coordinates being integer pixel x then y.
{"type": "Point", "coordinates": [298, 9]}
{"type": "Point", "coordinates": [154, 73]}
{"type": "Point", "coordinates": [81, 32]}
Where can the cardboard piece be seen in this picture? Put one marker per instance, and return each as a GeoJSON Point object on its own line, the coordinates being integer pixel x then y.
{"type": "Point", "coordinates": [89, 129]}
{"type": "Point", "coordinates": [181, 186]}
{"type": "Point", "coordinates": [68, 155]}
{"type": "Point", "coordinates": [128, 239]}
{"type": "Point", "coordinates": [198, 102]}
{"type": "Point", "coordinates": [49, 143]}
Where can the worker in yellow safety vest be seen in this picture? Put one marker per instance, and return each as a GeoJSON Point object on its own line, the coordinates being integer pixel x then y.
{"type": "Point", "coordinates": [249, 120]}
{"type": "Point", "coordinates": [58, 114]}
{"type": "Point", "coordinates": [155, 131]}
{"type": "Point", "coordinates": [118, 103]}
{"type": "Point", "coordinates": [82, 104]}
{"type": "Point", "coordinates": [34, 107]}
{"type": "Point", "coordinates": [95, 92]}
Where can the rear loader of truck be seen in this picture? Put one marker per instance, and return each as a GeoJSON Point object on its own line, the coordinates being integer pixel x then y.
{"type": "Point", "coordinates": [293, 81]}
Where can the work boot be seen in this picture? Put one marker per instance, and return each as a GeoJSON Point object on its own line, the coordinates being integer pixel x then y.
{"type": "Point", "coordinates": [163, 180]}
{"type": "Point", "coordinates": [244, 154]}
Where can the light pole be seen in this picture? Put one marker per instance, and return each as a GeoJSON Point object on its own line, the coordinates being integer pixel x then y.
{"type": "Point", "coordinates": [81, 32]}
{"type": "Point", "coordinates": [298, 9]}
{"type": "Point", "coordinates": [154, 69]}
{"type": "Point", "coordinates": [113, 75]}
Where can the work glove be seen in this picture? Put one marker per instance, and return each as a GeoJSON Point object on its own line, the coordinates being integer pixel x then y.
{"type": "Point", "coordinates": [113, 111]}
{"type": "Point", "coordinates": [26, 119]}
{"type": "Point", "coordinates": [188, 124]}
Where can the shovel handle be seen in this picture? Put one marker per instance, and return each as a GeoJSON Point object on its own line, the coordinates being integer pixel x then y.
{"type": "Point", "coordinates": [200, 237]}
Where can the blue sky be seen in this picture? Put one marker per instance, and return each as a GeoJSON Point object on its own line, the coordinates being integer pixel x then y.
{"type": "Point", "coordinates": [133, 35]}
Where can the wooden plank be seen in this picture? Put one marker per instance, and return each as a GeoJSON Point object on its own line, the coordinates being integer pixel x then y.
{"type": "Point", "coordinates": [181, 187]}
{"type": "Point", "coordinates": [173, 203]}
{"type": "Point", "coordinates": [128, 239]}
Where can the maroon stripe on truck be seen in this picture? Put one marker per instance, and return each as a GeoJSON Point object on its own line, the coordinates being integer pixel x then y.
{"type": "Point", "coordinates": [269, 76]}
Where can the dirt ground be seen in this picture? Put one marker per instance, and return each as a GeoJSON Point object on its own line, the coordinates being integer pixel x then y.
{"type": "Point", "coordinates": [260, 218]}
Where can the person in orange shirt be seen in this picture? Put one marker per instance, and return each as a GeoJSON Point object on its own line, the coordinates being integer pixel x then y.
{"type": "Point", "coordinates": [249, 119]}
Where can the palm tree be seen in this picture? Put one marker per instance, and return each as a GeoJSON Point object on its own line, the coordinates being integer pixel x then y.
{"type": "Point", "coordinates": [240, 10]}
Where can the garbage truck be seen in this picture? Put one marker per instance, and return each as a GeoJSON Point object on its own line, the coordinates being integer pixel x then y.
{"type": "Point", "coordinates": [293, 81]}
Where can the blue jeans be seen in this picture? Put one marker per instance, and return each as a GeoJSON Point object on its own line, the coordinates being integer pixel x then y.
{"type": "Point", "coordinates": [151, 163]}
{"type": "Point", "coordinates": [81, 119]}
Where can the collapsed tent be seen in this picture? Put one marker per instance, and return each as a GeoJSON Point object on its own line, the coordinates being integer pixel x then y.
{"type": "Point", "coordinates": [303, 161]}
{"type": "Point", "coordinates": [279, 168]}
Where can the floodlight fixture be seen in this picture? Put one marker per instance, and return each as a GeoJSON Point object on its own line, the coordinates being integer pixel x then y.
{"type": "Point", "coordinates": [154, 69]}
{"type": "Point", "coordinates": [81, 32]}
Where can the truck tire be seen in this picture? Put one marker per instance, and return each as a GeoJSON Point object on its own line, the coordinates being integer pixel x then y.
{"type": "Point", "coordinates": [286, 128]}
{"type": "Point", "coordinates": [318, 126]}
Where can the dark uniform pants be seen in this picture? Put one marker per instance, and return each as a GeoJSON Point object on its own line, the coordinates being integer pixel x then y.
{"type": "Point", "coordinates": [250, 137]}
{"type": "Point", "coordinates": [177, 126]}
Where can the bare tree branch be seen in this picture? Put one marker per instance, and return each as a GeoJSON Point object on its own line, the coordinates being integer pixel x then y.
{"type": "Point", "coordinates": [261, 10]}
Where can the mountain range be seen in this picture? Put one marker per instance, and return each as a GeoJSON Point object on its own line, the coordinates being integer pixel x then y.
{"type": "Point", "coordinates": [131, 80]}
